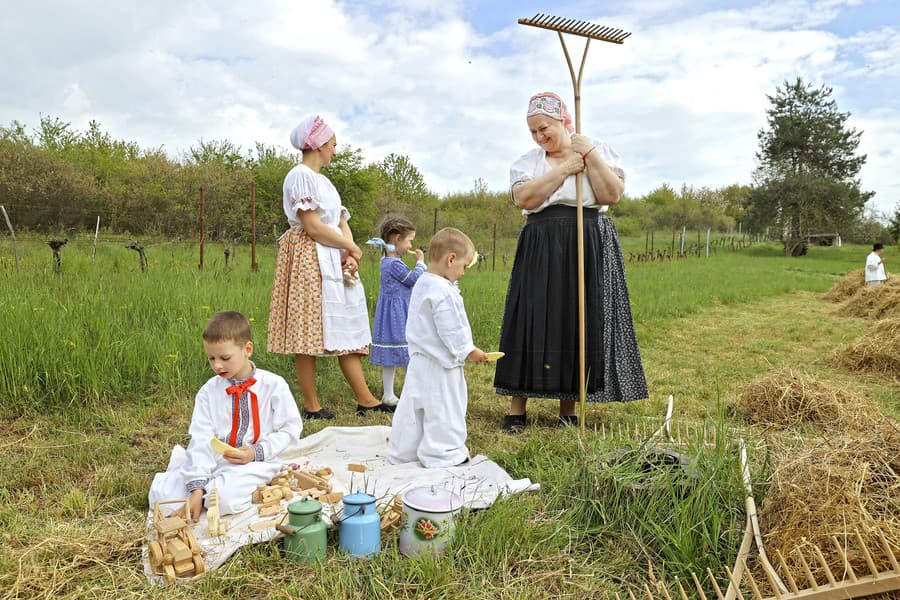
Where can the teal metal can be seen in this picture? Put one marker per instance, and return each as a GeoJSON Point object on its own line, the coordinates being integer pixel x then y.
{"type": "Point", "coordinates": [304, 534]}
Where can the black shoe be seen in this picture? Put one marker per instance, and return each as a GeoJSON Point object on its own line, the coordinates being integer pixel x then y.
{"type": "Point", "coordinates": [361, 410]}
{"type": "Point", "coordinates": [513, 424]}
{"type": "Point", "coordinates": [567, 421]}
{"type": "Point", "coordinates": [323, 414]}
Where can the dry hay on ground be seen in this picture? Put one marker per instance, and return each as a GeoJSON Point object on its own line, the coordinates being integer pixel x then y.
{"type": "Point", "coordinates": [879, 302]}
{"type": "Point", "coordinates": [786, 398]}
{"type": "Point", "coordinates": [837, 487]}
{"type": "Point", "coordinates": [877, 351]}
{"type": "Point", "coordinates": [851, 283]}
{"type": "Point", "coordinates": [102, 552]}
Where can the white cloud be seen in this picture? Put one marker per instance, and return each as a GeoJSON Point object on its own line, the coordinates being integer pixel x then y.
{"type": "Point", "coordinates": [681, 100]}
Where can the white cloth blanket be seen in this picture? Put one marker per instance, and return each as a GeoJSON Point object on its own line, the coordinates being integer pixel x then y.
{"type": "Point", "coordinates": [345, 316]}
{"type": "Point", "coordinates": [479, 483]}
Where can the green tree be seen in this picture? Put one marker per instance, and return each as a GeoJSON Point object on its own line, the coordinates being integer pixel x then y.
{"type": "Point", "coordinates": [894, 224]}
{"type": "Point", "coordinates": [269, 166]}
{"type": "Point", "coordinates": [807, 173]}
{"type": "Point", "coordinates": [221, 169]}
{"type": "Point", "coordinates": [356, 185]}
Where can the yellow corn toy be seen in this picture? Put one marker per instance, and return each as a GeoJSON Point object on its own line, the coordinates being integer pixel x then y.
{"type": "Point", "coordinates": [220, 446]}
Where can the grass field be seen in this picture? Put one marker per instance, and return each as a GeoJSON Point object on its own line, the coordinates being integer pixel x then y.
{"type": "Point", "coordinates": [100, 362]}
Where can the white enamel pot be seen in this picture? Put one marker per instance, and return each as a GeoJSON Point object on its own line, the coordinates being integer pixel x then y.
{"type": "Point", "coordinates": [429, 520]}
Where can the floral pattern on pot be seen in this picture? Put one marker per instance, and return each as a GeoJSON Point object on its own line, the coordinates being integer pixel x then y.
{"type": "Point", "coordinates": [426, 529]}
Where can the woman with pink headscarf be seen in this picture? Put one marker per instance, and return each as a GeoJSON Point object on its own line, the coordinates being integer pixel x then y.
{"type": "Point", "coordinates": [540, 323]}
{"type": "Point", "coordinates": [318, 304]}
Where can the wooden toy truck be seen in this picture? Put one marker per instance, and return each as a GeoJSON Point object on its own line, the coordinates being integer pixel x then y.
{"type": "Point", "coordinates": [174, 549]}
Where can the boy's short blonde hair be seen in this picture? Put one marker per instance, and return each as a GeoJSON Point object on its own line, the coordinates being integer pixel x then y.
{"type": "Point", "coordinates": [227, 326]}
{"type": "Point", "coordinates": [450, 239]}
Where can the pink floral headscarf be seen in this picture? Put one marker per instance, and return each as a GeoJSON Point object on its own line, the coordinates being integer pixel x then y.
{"type": "Point", "coordinates": [311, 133]}
{"type": "Point", "coordinates": [548, 103]}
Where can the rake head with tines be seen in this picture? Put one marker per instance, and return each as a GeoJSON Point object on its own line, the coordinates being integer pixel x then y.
{"type": "Point", "coordinates": [577, 27]}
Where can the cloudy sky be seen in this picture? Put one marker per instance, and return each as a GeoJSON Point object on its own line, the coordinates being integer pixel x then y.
{"type": "Point", "coordinates": [446, 82]}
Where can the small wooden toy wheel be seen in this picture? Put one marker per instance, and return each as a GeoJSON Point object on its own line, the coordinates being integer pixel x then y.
{"type": "Point", "coordinates": [193, 544]}
{"type": "Point", "coordinates": [169, 573]}
{"type": "Point", "coordinates": [198, 565]}
{"type": "Point", "coordinates": [156, 555]}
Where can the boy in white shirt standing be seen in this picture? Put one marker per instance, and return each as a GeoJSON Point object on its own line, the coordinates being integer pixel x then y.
{"type": "Point", "coordinates": [250, 409]}
{"type": "Point", "coordinates": [429, 424]}
{"type": "Point", "coordinates": [875, 273]}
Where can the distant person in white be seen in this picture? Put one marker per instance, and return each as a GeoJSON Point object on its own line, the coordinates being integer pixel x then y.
{"type": "Point", "coordinates": [875, 273]}
{"type": "Point", "coordinates": [430, 421]}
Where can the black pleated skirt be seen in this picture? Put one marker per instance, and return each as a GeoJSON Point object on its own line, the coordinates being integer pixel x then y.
{"type": "Point", "coordinates": [540, 322]}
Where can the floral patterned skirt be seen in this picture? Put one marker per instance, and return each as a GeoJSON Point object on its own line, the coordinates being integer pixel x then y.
{"type": "Point", "coordinates": [295, 314]}
{"type": "Point", "coordinates": [540, 323]}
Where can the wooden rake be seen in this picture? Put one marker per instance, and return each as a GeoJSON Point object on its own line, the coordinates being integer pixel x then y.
{"type": "Point", "coordinates": [590, 31]}
{"type": "Point", "coordinates": [844, 585]}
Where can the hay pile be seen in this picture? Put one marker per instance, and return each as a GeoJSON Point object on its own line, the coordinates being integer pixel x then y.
{"type": "Point", "coordinates": [786, 398]}
{"type": "Point", "coordinates": [846, 287]}
{"type": "Point", "coordinates": [880, 302]}
{"type": "Point", "coordinates": [855, 299]}
{"type": "Point", "coordinates": [835, 488]}
{"type": "Point", "coordinates": [878, 351]}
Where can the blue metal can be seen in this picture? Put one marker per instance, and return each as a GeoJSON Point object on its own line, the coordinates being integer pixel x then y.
{"type": "Point", "coordinates": [360, 530]}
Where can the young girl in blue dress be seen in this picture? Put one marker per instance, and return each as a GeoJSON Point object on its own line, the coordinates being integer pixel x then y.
{"type": "Point", "coordinates": [389, 348]}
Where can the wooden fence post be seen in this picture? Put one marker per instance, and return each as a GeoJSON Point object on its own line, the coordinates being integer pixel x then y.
{"type": "Point", "coordinates": [12, 232]}
{"type": "Point", "coordinates": [494, 249]}
{"type": "Point", "coordinates": [708, 231]}
{"type": "Point", "coordinates": [202, 229]}
{"type": "Point", "coordinates": [254, 266]}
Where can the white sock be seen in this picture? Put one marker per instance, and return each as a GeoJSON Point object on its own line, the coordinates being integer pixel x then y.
{"type": "Point", "coordinates": [387, 376]}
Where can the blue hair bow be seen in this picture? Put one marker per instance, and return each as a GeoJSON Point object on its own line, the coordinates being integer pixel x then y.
{"type": "Point", "coordinates": [380, 243]}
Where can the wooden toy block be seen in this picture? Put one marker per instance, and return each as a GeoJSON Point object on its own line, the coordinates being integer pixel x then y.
{"type": "Point", "coordinates": [308, 480]}
{"type": "Point", "coordinates": [215, 526]}
{"type": "Point", "coordinates": [256, 497]}
{"type": "Point", "coordinates": [261, 525]}
{"type": "Point", "coordinates": [356, 468]}
{"type": "Point", "coordinates": [282, 480]}
{"type": "Point", "coordinates": [331, 498]}
{"type": "Point", "coordinates": [267, 510]}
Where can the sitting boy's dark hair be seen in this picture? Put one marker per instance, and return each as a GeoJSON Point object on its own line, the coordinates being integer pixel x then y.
{"type": "Point", "coordinates": [227, 326]}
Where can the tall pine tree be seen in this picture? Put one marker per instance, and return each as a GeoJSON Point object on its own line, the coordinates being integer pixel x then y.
{"type": "Point", "coordinates": [807, 175]}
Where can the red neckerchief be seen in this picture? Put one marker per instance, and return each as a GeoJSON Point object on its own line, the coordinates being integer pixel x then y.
{"type": "Point", "coordinates": [236, 392]}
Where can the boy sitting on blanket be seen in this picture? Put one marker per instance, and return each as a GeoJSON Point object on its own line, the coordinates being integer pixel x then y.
{"type": "Point", "coordinates": [250, 409]}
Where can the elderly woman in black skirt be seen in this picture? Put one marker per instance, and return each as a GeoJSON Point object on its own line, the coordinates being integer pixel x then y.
{"type": "Point", "coordinates": [540, 322]}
